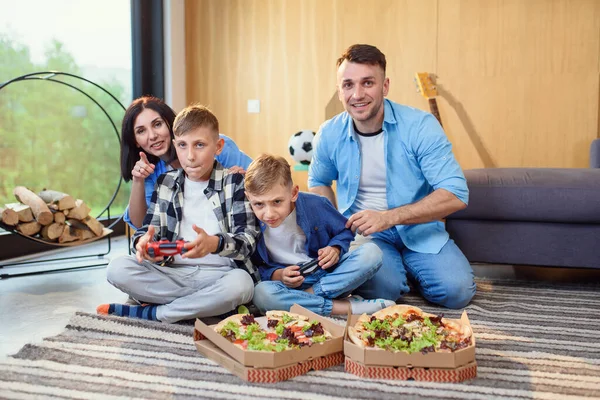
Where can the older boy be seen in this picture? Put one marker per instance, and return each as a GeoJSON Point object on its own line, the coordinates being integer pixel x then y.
{"type": "Point", "coordinates": [211, 214]}
{"type": "Point", "coordinates": [298, 227]}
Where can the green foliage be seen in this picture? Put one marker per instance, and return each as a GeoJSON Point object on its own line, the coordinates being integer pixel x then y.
{"type": "Point", "coordinates": [54, 137]}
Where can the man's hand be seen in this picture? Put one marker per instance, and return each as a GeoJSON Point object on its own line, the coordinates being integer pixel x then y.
{"type": "Point", "coordinates": [141, 253]}
{"type": "Point", "coordinates": [290, 276]}
{"type": "Point", "coordinates": [143, 168]}
{"type": "Point", "coordinates": [203, 244]}
{"type": "Point", "coordinates": [328, 256]}
{"type": "Point", "coordinates": [368, 222]}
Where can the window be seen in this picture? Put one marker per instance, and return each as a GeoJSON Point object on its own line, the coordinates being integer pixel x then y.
{"type": "Point", "coordinates": [52, 136]}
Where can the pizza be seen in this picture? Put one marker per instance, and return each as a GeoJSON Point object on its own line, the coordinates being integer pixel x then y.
{"type": "Point", "coordinates": [409, 329]}
{"type": "Point", "coordinates": [283, 331]}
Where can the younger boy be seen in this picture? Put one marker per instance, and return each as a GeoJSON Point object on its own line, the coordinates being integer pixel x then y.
{"type": "Point", "coordinates": [212, 214]}
{"type": "Point", "coordinates": [298, 227]}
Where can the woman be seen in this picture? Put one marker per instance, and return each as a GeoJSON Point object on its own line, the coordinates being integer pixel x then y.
{"type": "Point", "coordinates": [147, 153]}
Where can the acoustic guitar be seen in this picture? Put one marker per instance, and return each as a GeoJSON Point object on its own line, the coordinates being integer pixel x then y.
{"type": "Point", "coordinates": [427, 88]}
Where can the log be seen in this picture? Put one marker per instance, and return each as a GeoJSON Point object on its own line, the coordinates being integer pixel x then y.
{"type": "Point", "coordinates": [80, 226]}
{"type": "Point", "coordinates": [9, 217]}
{"type": "Point", "coordinates": [67, 235]}
{"type": "Point", "coordinates": [23, 211]}
{"type": "Point", "coordinates": [29, 228]}
{"type": "Point", "coordinates": [94, 225]}
{"type": "Point", "coordinates": [59, 217]}
{"type": "Point", "coordinates": [83, 234]}
{"type": "Point", "coordinates": [62, 200]}
{"type": "Point", "coordinates": [40, 210]}
{"type": "Point", "coordinates": [52, 231]}
{"type": "Point", "coordinates": [66, 212]}
{"type": "Point", "coordinates": [80, 211]}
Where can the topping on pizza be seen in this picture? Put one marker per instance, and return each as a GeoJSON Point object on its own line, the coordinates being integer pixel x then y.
{"type": "Point", "coordinates": [409, 329]}
{"type": "Point", "coordinates": [285, 331]}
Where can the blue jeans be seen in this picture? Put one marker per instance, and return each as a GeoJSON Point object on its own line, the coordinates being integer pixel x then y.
{"type": "Point", "coordinates": [353, 270]}
{"type": "Point", "coordinates": [445, 278]}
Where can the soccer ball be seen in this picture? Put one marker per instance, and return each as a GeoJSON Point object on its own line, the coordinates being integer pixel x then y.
{"type": "Point", "coordinates": [300, 146]}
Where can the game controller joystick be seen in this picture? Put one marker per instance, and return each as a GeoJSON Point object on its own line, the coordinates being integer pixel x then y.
{"type": "Point", "coordinates": [309, 267]}
{"type": "Point", "coordinates": [165, 247]}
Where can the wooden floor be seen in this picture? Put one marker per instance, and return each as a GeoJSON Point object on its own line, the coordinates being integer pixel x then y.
{"type": "Point", "coordinates": [38, 306]}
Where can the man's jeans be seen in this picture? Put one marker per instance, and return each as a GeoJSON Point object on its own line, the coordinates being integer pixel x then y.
{"type": "Point", "coordinates": [353, 270]}
{"type": "Point", "coordinates": [445, 278]}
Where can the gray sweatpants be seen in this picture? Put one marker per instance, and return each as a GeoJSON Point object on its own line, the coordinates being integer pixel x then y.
{"type": "Point", "coordinates": [183, 291]}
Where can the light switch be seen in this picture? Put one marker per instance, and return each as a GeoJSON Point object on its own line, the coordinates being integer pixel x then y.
{"type": "Point", "coordinates": [253, 106]}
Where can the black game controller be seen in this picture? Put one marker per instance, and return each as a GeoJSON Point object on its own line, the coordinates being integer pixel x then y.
{"type": "Point", "coordinates": [309, 267]}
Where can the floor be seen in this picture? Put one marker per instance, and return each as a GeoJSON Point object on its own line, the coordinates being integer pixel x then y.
{"type": "Point", "coordinates": [37, 306]}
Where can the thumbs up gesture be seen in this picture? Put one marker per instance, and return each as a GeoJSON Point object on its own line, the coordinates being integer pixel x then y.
{"type": "Point", "coordinates": [143, 168]}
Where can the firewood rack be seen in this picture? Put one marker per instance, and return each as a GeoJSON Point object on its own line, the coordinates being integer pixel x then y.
{"type": "Point", "coordinates": [67, 79]}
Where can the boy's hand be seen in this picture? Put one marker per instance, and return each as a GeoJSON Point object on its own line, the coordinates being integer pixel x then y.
{"type": "Point", "coordinates": [328, 256]}
{"type": "Point", "coordinates": [143, 168]}
{"type": "Point", "coordinates": [290, 276]}
{"type": "Point", "coordinates": [141, 247]}
{"type": "Point", "coordinates": [203, 244]}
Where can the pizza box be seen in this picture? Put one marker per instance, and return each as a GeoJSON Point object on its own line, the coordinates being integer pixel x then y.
{"type": "Point", "coordinates": [462, 373]}
{"type": "Point", "coordinates": [263, 359]}
{"type": "Point", "coordinates": [380, 357]}
{"type": "Point", "coordinates": [265, 375]}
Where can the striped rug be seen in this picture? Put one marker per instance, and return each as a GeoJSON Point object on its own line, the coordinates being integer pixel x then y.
{"type": "Point", "coordinates": [535, 340]}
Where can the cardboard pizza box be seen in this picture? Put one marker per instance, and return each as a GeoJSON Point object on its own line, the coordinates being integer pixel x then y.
{"type": "Point", "coordinates": [263, 359]}
{"type": "Point", "coordinates": [462, 373]}
{"type": "Point", "coordinates": [380, 357]}
{"type": "Point", "coordinates": [266, 375]}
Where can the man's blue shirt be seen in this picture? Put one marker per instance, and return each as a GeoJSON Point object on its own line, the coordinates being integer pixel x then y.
{"type": "Point", "coordinates": [418, 159]}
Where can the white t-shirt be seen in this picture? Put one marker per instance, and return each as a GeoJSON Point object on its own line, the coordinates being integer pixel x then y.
{"type": "Point", "coordinates": [197, 209]}
{"type": "Point", "coordinates": [286, 243]}
{"type": "Point", "coordinates": [372, 185]}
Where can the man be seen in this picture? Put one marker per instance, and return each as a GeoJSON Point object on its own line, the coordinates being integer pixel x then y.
{"type": "Point", "coordinates": [396, 178]}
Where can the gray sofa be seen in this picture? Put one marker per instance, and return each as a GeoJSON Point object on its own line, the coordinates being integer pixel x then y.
{"type": "Point", "coordinates": [532, 216]}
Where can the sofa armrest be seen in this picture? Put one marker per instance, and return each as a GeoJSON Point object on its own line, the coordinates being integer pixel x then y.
{"type": "Point", "coordinates": [595, 154]}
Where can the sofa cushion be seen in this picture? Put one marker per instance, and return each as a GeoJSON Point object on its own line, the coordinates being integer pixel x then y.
{"type": "Point", "coordinates": [533, 194]}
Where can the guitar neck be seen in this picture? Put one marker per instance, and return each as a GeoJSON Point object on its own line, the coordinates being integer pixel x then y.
{"type": "Point", "coordinates": [434, 109]}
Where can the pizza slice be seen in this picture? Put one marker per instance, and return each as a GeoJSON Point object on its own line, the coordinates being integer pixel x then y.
{"type": "Point", "coordinates": [285, 331]}
{"type": "Point", "coordinates": [296, 328]}
{"type": "Point", "coordinates": [409, 329]}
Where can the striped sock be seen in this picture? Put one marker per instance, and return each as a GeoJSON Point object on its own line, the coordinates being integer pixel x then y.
{"type": "Point", "coordinates": [123, 310]}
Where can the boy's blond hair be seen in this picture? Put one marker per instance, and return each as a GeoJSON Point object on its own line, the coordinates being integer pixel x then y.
{"type": "Point", "coordinates": [265, 172]}
{"type": "Point", "coordinates": [194, 117]}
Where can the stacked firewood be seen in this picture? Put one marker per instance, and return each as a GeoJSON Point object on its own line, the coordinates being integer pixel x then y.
{"type": "Point", "coordinates": [51, 216]}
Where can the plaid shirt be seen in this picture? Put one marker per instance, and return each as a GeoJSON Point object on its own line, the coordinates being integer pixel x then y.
{"type": "Point", "coordinates": [225, 191]}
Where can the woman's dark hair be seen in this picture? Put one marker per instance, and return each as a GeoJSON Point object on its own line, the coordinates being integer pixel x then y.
{"type": "Point", "coordinates": [130, 153]}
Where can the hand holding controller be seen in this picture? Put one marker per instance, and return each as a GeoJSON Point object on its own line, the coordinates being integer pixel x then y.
{"type": "Point", "coordinates": [309, 267]}
{"type": "Point", "coordinates": [165, 248]}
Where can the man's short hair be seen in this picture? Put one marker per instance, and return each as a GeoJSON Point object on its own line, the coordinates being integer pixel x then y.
{"type": "Point", "coordinates": [265, 172]}
{"type": "Point", "coordinates": [194, 117]}
{"type": "Point", "coordinates": [363, 54]}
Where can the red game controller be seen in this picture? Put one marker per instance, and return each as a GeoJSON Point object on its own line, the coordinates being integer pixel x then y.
{"type": "Point", "coordinates": [165, 248]}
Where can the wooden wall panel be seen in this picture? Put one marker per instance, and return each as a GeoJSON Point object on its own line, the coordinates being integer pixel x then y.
{"type": "Point", "coordinates": [518, 79]}
{"type": "Point", "coordinates": [284, 52]}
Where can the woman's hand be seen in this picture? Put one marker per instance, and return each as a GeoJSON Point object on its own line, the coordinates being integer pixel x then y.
{"type": "Point", "coordinates": [143, 168]}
